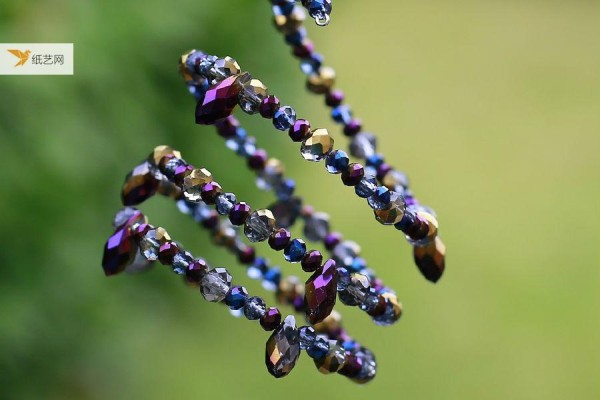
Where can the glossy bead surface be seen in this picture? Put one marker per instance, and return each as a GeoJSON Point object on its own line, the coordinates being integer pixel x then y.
{"type": "Point", "coordinates": [236, 297]}
{"type": "Point", "coordinates": [430, 259]}
{"type": "Point", "coordinates": [151, 242]}
{"type": "Point", "coordinates": [192, 184]}
{"type": "Point", "coordinates": [195, 270]}
{"type": "Point", "coordinates": [283, 348]}
{"type": "Point", "coordinates": [320, 293]}
{"type": "Point", "coordinates": [254, 308]}
{"type": "Point", "coordinates": [336, 162]}
{"type": "Point", "coordinates": [356, 291]}
{"type": "Point", "coordinates": [352, 175]}
{"type": "Point", "coordinates": [159, 152]}
{"type": "Point", "coordinates": [239, 213]}
{"type": "Point", "coordinates": [225, 202]}
{"type": "Point", "coordinates": [333, 361]}
{"type": "Point", "coordinates": [271, 319]}
{"type": "Point", "coordinates": [284, 118]}
{"type": "Point", "coordinates": [219, 101]}
{"type": "Point", "coordinates": [268, 106]}
{"type": "Point", "coordinates": [215, 284]}
{"type": "Point", "coordinates": [394, 212]}
{"type": "Point", "coordinates": [321, 82]}
{"type": "Point", "coordinates": [280, 239]}
{"type": "Point", "coordinates": [120, 248]}
{"type": "Point", "coordinates": [224, 68]}
{"type": "Point", "coordinates": [300, 130]}
{"type": "Point", "coordinates": [392, 313]}
{"type": "Point", "coordinates": [259, 225]}
{"type": "Point", "coordinates": [317, 146]}
{"type": "Point", "coordinates": [363, 145]}
{"type": "Point", "coordinates": [252, 94]}
{"type": "Point", "coordinates": [312, 261]}
{"type": "Point", "coordinates": [294, 251]}
{"type": "Point", "coordinates": [140, 184]}
{"type": "Point", "coordinates": [366, 187]}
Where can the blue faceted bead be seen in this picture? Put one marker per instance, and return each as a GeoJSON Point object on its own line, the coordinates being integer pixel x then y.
{"type": "Point", "coordinates": [254, 308]}
{"type": "Point", "coordinates": [225, 202]}
{"type": "Point", "coordinates": [295, 251]}
{"type": "Point", "coordinates": [284, 118]}
{"type": "Point", "coordinates": [375, 160]}
{"type": "Point", "coordinates": [344, 279]}
{"type": "Point", "coordinates": [272, 278]}
{"type": "Point", "coordinates": [366, 187]}
{"type": "Point", "coordinates": [312, 64]}
{"type": "Point", "coordinates": [307, 335]}
{"type": "Point", "coordinates": [380, 199]}
{"type": "Point", "coordinates": [258, 269]}
{"type": "Point", "coordinates": [341, 114]}
{"type": "Point", "coordinates": [284, 190]}
{"type": "Point", "coordinates": [319, 348]}
{"type": "Point", "coordinates": [236, 297]}
{"type": "Point", "coordinates": [336, 162]}
{"type": "Point", "coordinates": [205, 65]}
{"type": "Point", "coordinates": [296, 38]}
{"type": "Point", "coordinates": [349, 345]}
{"type": "Point", "coordinates": [193, 61]}
{"type": "Point", "coordinates": [357, 265]}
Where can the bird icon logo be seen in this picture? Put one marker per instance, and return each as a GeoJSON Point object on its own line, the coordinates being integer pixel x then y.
{"type": "Point", "coordinates": [22, 56]}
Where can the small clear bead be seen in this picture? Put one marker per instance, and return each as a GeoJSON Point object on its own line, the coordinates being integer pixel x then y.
{"type": "Point", "coordinates": [259, 225]}
{"type": "Point", "coordinates": [224, 68]}
{"type": "Point", "coordinates": [252, 94]}
{"type": "Point", "coordinates": [344, 279]}
{"type": "Point", "coordinates": [284, 118]}
{"type": "Point", "coordinates": [254, 308]}
{"type": "Point", "coordinates": [215, 284]}
{"type": "Point", "coordinates": [317, 146]}
{"type": "Point", "coordinates": [363, 145]}
{"type": "Point", "coordinates": [356, 292]}
{"type": "Point", "coordinates": [380, 199]}
{"type": "Point", "coordinates": [149, 245]}
{"type": "Point", "coordinates": [225, 202]}
{"type": "Point", "coordinates": [319, 348]}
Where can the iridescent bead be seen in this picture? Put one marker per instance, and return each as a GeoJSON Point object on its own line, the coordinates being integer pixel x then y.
{"type": "Point", "coordinates": [254, 308]}
{"type": "Point", "coordinates": [192, 184]}
{"type": "Point", "coordinates": [239, 213]}
{"type": "Point", "coordinates": [320, 293]}
{"type": "Point", "coordinates": [356, 291]}
{"type": "Point", "coordinates": [312, 261]}
{"type": "Point", "coordinates": [336, 162]}
{"type": "Point", "coordinates": [300, 130]}
{"type": "Point", "coordinates": [317, 146]}
{"type": "Point", "coordinates": [170, 165]}
{"type": "Point", "coordinates": [151, 242]}
{"type": "Point", "coordinates": [206, 65]}
{"type": "Point", "coordinates": [259, 225]}
{"type": "Point", "coordinates": [122, 216]}
{"type": "Point", "coordinates": [374, 304]}
{"type": "Point", "coordinates": [283, 348]}
{"type": "Point", "coordinates": [120, 249]}
{"type": "Point", "coordinates": [432, 225]}
{"type": "Point", "coordinates": [320, 10]}
{"type": "Point", "coordinates": [333, 361]}
{"type": "Point", "coordinates": [167, 251]}
{"type": "Point", "coordinates": [393, 311]}
{"type": "Point", "coordinates": [344, 279]}
{"type": "Point", "coordinates": [271, 319]}
{"type": "Point", "coordinates": [380, 199]}
{"type": "Point", "coordinates": [140, 184]}
{"type": "Point", "coordinates": [368, 366]}
{"type": "Point", "coordinates": [161, 151]}
{"type": "Point", "coordinates": [341, 114]}
{"type": "Point", "coordinates": [252, 94]}
{"type": "Point", "coordinates": [224, 68]}
{"type": "Point", "coordinates": [258, 160]}
{"type": "Point", "coordinates": [219, 101]}
{"type": "Point", "coordinates": [316, 226]}
{"type": "Point", "coordinates": [268, 106]}
{"type": "Point", "coordinates": [395, 180]}
{"type": "Point", "coordinates": [353, 127]}
{"type": "Point", "coordinates": [181, 262]}
{"type": "Point", "coordinates": [334, 98]}
{"type": "Point", "coordinates": [352, 175]}
{"type": "Point", "coordinates": [431, 259]}
{"type": "Point", "coordinates": [289, 23]}
{"type": "Point", "coordinates": [366, 187]}
{"type": "Point", "coordinates": [284, 118]}
{"type": "Point", "coordinates": [321, 82]}
{"type": "Point", "coordinates": [295, 251]}
{"type": "Point", "coordinates": [195, 270]}
{"type": "Point", "coordinates": [188, 63]}
{"type": "Point", "coordinates": [394, 212]}
{"type": "Point", "coordinates": [332, 239]}
{"type": "Point", "coordinates": [215, 284]}
{"type": "Point", "coordinates": [363, 145]}
{"type": "Point", "coordinates": [280, 239]}
{"type": "Point", "coordinates": [236, 297]}
{"type": "Point", "coordinates": [225, 202]}
{"type": "Point", "coordinates": [319, 348]}
{"type": "Point", "coordinates": [308, 335]}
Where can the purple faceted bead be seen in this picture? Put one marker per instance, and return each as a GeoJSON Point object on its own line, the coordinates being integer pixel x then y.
{"type": "Point", "coordinates": [219, 101]}
{"type": "Point", "coordinates": [321, 292]}
{"type": "Point", "coordinates": [239, 213]}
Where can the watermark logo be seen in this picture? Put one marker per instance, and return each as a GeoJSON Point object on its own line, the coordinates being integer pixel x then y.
{"type": "Point", "coordinates": [36, 58]}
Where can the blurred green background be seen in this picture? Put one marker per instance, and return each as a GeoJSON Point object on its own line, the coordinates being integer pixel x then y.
{"type": "Point", "coordinates": [492, 107]}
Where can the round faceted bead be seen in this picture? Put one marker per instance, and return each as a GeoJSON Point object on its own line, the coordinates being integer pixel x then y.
{"type": "Point", "coordinates": [321, 82]}
{"type": "Point", "coordinates": [209, 192]}
{"type": "Point", "coordinates": [319, 348]}
{"type": "Point", "coordinates": [312, 261]}
{"type": "Point", "coordinates": [225, 202]}
{"type": "Point", "coordinates": [317, 146]}
{"type": "Point", "coordinates": [363, 145]}
{"type": "Point", "coordinates": [252, 94]}
{"type": "Point", "coordinates": [430, 259]}
{"type": "Point", "coordinates": [374, 304]}
{"type": "Point", "coordinates": [268, 106]}
{"type": "Point", "coordinates": [394, 212]}
{"type": "Point", "coordinates": [294, 251]}
{"type": "Point", "coordinates": [381, 199]}
{"type": "Point", "coordinates": [280, 239]}
{"type": "Point", "coordinates": [254, 308]}
{"type": "Point", "coordinates": [205, 65]}
{"type": "Point", "coordinates": [289, 23]}
{"type": "Point", "coordinates": [215, 284]}
{"type": "Point", "coordinates": [271, 319]}
{"type": "Point", "coordinates": [300, 130]}
{"type": "Point", "coordinates": [333, 361]}
{"type": "Point", "coordinates": [195, 270]}
{"type": "Point", "coordinates": [193, 182]}
{"type": "Point", "coordinates": [353, 127]}
{"type": "Point", "coordinates": [341, 114]}
{"type": "Point", "coordinates": [259, 225]}
{"type": "Point", "coordinates": [308, 335]}
{"type": "Point", "coordinates": [236, 297]}
{"type": "Point", "coordinates": [151, 242]}
{"type": "Point", "coordinates": [432, 225]}
{"type": "Point", "coordinates": [258, 160]}
{"type": "Point", "coordinates": [336, 162]}
{"type": "Point", "coordinates": [344, 278]}
{"type": "Point", "coordinates": [356, 291]}
{"type": "Point", "coordinates": [239, 213]}
{"type": "Point", "coordinates": [316, 226]}
{"type": "Point", "coordinates": [334, 98]}
{"type": "Point", "coordinates": [167, 251]}
{"type": "Point", "coordinates": [181, 260]}
{"type": "Point", "coordinates": [352, 175]}
{"type": "Point", "coordinates": [224, 68]}
{"type": "Point", "coordinates": [366, 187]}
{"type": "Point", "coordinates": [284, 118]}
{"type": "Point", "coordinates": [332, 239]}
{"type": "Point", "coordinates": [392, 313]}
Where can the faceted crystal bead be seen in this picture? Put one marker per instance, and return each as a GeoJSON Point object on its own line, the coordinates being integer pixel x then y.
{"type": "Point", "coordinates": [254, 308]}
{"type": "Point", "coordinates": [356, 292]}
{"type": "Point", "coordinates": [215, 284]}
{"type": "Point", "coordinates": [159, 152]}
{"type": "Point", "coordinates": [432, 229]}
{"type": "Point", "coordinates": [209, 192]}
{"type": "Point", "coordinates": [344, 279]}
{"type": "Point", "coordinates": [352, 175]}
{"type": "Point", "coordinates": [317, 146]}
{"type": "Point", "coordinates": [394, 212]}
{"type": "Point", "coordinates": [239, 213]}
{"type": "Point", "coordinates": [224, 68]}
{"type": "Point", "coordinates": [341, 114]}
{"type": "Point", "coordinates": [120, 249]}
{"type": "Point", "coordinates": [319, 348]}
{"type": "Point", "coordinates": [252, 94]}
{"type": "Point", "coordinates": [286, 212]}
{"type": "Point", "coordinates": [431, 259]}
{"type": "Point", "coordinates": [280, 239]}
{"type": "Point", "coordinates": [336, 162]}
{"type": "Point", "coordinates": [312, 261]}
{"type": "Point", "coordinates": [151, 242]}
{"type": "Point", "coordinates": [300, 130]}
{"type": "Point", "coordinates": [374, 303]}
{"type": "Point", "coordinates": [181, 262]}
{"type": "Point", "coordinates": [368, 366]}
{"type": "Point", "coordinates": [333, 361]}
{"type": "Point", "coordinates": [192, 184]}
{"type": "Point", "coordinates": [392, 313]}
{"type": "Point", "coordinates": [322, 81]}
{"type": "Point", "coordinates": [225, 202]}
{"type": "Point", "coordinates": [295, 251]}
{"type": "Point", "coordinates": [195, 270]}
{"type": "Point", "coordinates": [205, 65]}
{"type": "Point", "coordinates": [284, 118]}
{"type": "Point", "coordinates": [320, 293]}
{"type": "Point", "coordinates": [363, 145]}
{"type": "Point", "coordinates": [219, 101]}
{"type": "Point", "coordinates": [395, 180]}
{"type": "Point", "coordinates": [140, 184]}
{"type": "Point", "coordinates": [268, 106]}
{"type": "Point", "coordinates": [123, 215]}
{"type": "Point", "coordinates": [380, 199]}
{"type": "Point", "coordinates": [259, 225]}
{"type": "Point", "coordinates": [308, 335]}
{"type": "Point", "coordinates": [283, 348]}
{"type": "Point", "coordinates": [366, 187]}
{"type": "Point", "coordinates": [167, 251]}
{"type": "Point", "coordinates": [271, 319]}
{"type": "Point", "coordinates": [316, 227]}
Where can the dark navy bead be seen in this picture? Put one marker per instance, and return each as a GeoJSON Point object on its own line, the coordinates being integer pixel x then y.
{"type": "Point", "coordinates": [341, 114]}
{"type": "Point", "coordinates": [295, 38]}
{"type": "Point", "coordinates": [374, 161]}
{"type": "Point", "coordinates": [284, 190]}
{"type": "Point", "coordinates": [366, 187]}
{"type": "Point", "coordinates": [311, 65]}
{"type": "Point", "coordinates": [236, 297]}
{"type": "Point", "coordinates": [319, 348]}
{"type": "Point", "coordinates": [336, 162]}
{"type": "Point", "coordinates": [284, 118]}
{"type": "Point", "coordinates": [380, 199]}
{"type": "Point", "coordinates": [408, 219]}
{"type": "Point", "coordinates": [294, 252]}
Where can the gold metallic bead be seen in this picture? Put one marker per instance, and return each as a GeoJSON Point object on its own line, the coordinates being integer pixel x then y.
{"type": "Point", "coordinates": [317, 146]}
{"type": "Point", "coordinates": [321, 82]}
{"type": "Point", "coordinates": [333, 361]}
{"type": "Point", "coordinates": [192, 184]}
{"type": "Point", "coordinates": [288, 24]}
{"type": "Point", "coordinates": [225, 67]}
{"type": "Point", "coordinates": [182, 68]}
{"type": "Point", "coordinates": [331, 324]}
{"type": "Point", "coordinates": [396, 305]}
{"type": "Point", "coordinates": [252, 94]}
{"type": "Point", "coordinates": [159, 152]}
{"type": "Point", "coordinates": [431, 259]}
{"type": "Point", "coordinates": [433, 225]}
{"type": "Point", "coordinates": [289, 289]}
{"type": "Point", "coordinates": [162, 235]}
